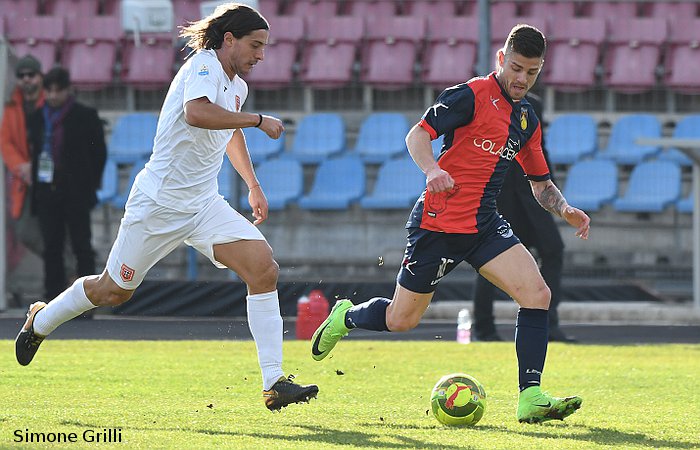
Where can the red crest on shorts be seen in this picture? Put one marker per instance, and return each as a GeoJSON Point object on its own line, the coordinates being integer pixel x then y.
{"type": "Point", "coordinates": [238, 103]}
{"type": "Point", "coordinates": [127, 273]}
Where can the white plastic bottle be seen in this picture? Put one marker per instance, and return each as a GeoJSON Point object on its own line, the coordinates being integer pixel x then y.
{"type": "Point", "coordinates": [464, 326]}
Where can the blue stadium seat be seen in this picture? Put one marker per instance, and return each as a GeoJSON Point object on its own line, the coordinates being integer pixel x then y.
{"type": "Point", "coordinates": [437, 146]}
{"type": "Point", "coordinates": [261, 146]}
{"type": "Point", "coordinates": [591, 184]}
{"type": "Point", "coordinates": [338, 183]}
{"type": "Point", "coordinates": [685, 205]}
{"type": "Point", "coordinates": [571, 137]}
{"type": "Point", "coordinates": [652, 186]}
{"type": "Point", "coordinates": [318, 137]}
{"type": "Point", "coordinates": [226, 178]}
{"type": "Point", "coordinates": [382, 136]}
{"type": "Point", "coordinates": [282, 181]}
{"type": "Point", "coordinates": [622, 146]}
{"type": "Point", "coordinates": [119, 200]}
{"type": "Point", "coordinates": [132, 137]}
{"type": "Point", "coordinates": [686, 128]}
{"type": "Point", "coordinates": [110, 182]}
{"type": "Point", "coordinates": [399, 183]}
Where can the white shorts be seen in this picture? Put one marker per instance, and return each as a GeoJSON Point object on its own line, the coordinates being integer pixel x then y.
{"type": "Point", "coordinates": [149, 232]}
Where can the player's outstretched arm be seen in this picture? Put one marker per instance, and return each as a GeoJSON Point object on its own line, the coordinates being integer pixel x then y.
{"type": "Point", "coordinates": [551, 199]}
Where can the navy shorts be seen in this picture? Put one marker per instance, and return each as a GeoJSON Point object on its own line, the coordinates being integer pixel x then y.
{"type": "Point", "coordinates": [431, 255]}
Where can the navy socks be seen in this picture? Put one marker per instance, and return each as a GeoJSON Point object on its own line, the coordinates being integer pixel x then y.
{"type": "Point", "coordinates": [370, 315]}
{"type": "Point", "coordinates": [531, 335]}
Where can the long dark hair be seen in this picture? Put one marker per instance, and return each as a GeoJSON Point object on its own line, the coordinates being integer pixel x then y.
{"type": "Point", "coordinates": [208, 33]}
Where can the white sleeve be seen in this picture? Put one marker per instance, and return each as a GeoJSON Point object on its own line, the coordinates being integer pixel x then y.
{"type": "Point", "coordinates": [201, 81]}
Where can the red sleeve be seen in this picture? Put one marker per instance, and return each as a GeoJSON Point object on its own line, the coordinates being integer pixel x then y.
{"type": "Point", "coordinates": [531, 157]}
{"type": "Point", "coordinates": [426, 126]}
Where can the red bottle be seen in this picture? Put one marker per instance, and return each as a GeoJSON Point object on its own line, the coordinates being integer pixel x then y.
{"type": "Point", "coordinates": [311, 312]}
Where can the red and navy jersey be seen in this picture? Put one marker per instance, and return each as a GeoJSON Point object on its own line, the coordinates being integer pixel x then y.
{"type": "Point", "coordinates": [484, 131]}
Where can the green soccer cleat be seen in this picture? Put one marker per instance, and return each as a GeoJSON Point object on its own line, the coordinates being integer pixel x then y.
{"type": "Point", "coordinates": [330, 331]}
{"type": "Point", "coordinates": [535, 406]}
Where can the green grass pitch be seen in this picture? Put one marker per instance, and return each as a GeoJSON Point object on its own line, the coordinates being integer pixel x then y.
{"type": "Point", "coordinates": [373, 394]}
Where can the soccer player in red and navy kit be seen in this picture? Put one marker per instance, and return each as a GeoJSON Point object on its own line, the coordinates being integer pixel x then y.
{"type": "Point", "coordinates": [486, 123]}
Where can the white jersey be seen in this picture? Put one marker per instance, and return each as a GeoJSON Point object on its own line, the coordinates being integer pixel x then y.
{"type": "Point", "coordinates": [182, 171]}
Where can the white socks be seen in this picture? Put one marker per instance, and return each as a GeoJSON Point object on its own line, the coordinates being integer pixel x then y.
{"type": "Point", "coordinates": [69, 304]}
{"type": "Point", "coordinates": [265, 324]}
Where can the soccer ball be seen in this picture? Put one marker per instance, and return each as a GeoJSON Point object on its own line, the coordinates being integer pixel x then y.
{"type": "Point", "coordinates": [458, 399]}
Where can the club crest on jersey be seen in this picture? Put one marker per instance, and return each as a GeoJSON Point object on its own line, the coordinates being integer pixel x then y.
{"type": "Point", "coordinates": [126, 273]}
{"type": "Point", "coordinates": [204, 70]}
{"type": "Point", "coordinates": [523, 119]}
{"type": "Point", "coordinates": [238, 103]}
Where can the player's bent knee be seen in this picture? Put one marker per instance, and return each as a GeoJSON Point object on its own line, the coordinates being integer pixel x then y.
{"type": "Point", "coordinates": [266, 278]}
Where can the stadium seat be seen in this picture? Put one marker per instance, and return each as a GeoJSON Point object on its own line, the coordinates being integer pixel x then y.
{"type": "Point", "coordinates": [185, 11]}
{"type": "Point", "coordinates": [551, 10]}
{"type": "Point", "coordinates": [110, 182]}
{"type": "Point", "coordinates": [571, 137]}
{"type": "Point", "coordinates": [451, 50]}
{"type": "Point", "coordinates": [502, 24]}
{"type": "Point", "coordinates": [611, 10]}
{"type": "Point", "coordinates": [444, 9]}
{"type": "Point", "coordinates": [72, 8]}
{"type": "Point", "coordinates": [399, 183]}
{"type": "Point", "coordinates": [382, 136]}
{"type": "Point", "coordinates": [338, 183]}
{"type": "Point", "coordinates": [277, 70]}
{"type": "Point", "coordinates": [652, 186]}
{"type": "Point", "coordinates": [269, 7]}
{"type": "Point", "coordinates": [132, 137]}
{"type": "Point", "coordinates": [318, 136]}
{"type": "Point", "coordinates": [14, 10]}
{"type": "Point", "coordinates": [91, 49]}
{"type": "Point", "coordinates": [573, 51]}
{"type": "Point", "coordinates": [282, 181]}
{"type": "Point", "coordinates": [503, 9]}
{"type": "Point", "coordinates": [133, 169]}
{"type": "Point", "coordinates": [591, 184]}
{"type": "Point", "coordinates": [622, 144]}
{"type": "Point", "coordinates": [683, 56]}
{"type": "Point", "coordinates": [437, 146]}
{"type": "Point", "coordinates": [371, 8]}
{"type": "Point", "coordinates": [685, 205]}
{"type": "Point", "coordinates": [672, 10]}
{"type": "Point", "coordinates": [634, 53]}
{"type": "Point", "coordinates": [261, 146]}
{"type": "Point", "coordinates": [40, 36]}
{"type": "Point", "coordinates": [149, 62]}
{"type": "Point", "coordinates": [686, 128]}
{"type": "Point", "coordinates": [337, 36]}
{"type": "Point", "coordinates": [312, 9]}
{"type": "Point", "coordinates": [390, 54]}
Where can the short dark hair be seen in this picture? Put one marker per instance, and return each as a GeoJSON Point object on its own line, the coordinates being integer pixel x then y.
{"type": "Point", "coordinates": [237, 18]}
{"type": "Point", "coordinates": [59, 77]}
{"type": "Point", "coordinates": [526, 40]}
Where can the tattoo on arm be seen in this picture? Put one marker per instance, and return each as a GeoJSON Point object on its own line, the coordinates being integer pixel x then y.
{"type": "Point", "coordinates": [551, 199]}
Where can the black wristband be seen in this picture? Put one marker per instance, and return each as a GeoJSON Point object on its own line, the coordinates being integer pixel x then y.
{"type": "Point", "coordinates": [259, 121]}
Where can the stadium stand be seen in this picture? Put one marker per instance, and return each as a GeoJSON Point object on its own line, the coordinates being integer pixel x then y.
{"type": "Point", "coordinates": [591, 184]}
{"type": "Point", "coordinates": [573, 51]}
{"type": "Point", "coordinates": [653, 186]}
{"type": "Point", "coordinates": [269, 7]}
{"type": "Point", "coordinates": [72, 8]}
{"type": "Point", "coordinates": [312, 9]}
{"type": "Point", "coordinates": [281, 49]}
{"type": "Point", "coordinates": [318, 137]}
{"type": "Point", "coordinates": [571, 137]}
{"type": "Point", "coordinates": [90, 53]}
{"type": "Point", "coordinates": [683, 56]}
{"type": "Point", "coordinates": [634, 53]}
{"type": "Point", "coordinates": [14, 10]}
{"type": "Point", "coordinates": [390, 54]}
{"type": "Point", "coordinates": [337, 36]}
{"type": "Point", "coordinates": [261, 146]}
{"type": "Point", "coordinates": [185, 11]}
{"type": "Point", "coordinates": [622, 146]}
{"type": "Point", "coordinates": [672, 10]}
{"type": "Point", "coordinates": [132, 137]}
{"type": "Point", "coordinates": [382, 136]}
{"type": "Point", "coordinates": [502, 10]}
{"type": "Point", "coordinates": [444, 9]}
{"type": "Point", "coordinates": [685, 205]}
{"type": "Point", "coordinates": [282, 181]}
{"type": "Point", "coordinates": [609, 10]}
{"type": "Point", "coordinates": [337, 184]}
{"type": "Point", "coordinates": [451, 50]}
{"type": "Point", "coordinates": [686, 128]}
{"type": "Point", "coordinates": [226, 178]}
{"type": "Point", "coordinates": [149, 61]}
{"type": "Point", "coordinates": [551, 10]}
{"type": "Point", "coordinates": [399, 183]}
{"type": "Point", "coordinates": [437, 145]}
{"type": "Point", "coordinates": [371, 8]}
{"type": "Point", "coordinates": [110, 182]}
{"type": "Point", "coordinates": [133, 169]}
{"type": "Point", "coordinates": [39, 35]}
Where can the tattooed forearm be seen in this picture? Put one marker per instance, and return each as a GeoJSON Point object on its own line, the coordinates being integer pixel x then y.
{"type": "Point", "coordinates": [551, 199]}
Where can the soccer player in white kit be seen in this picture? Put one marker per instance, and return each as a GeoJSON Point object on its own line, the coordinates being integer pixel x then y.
{"type": "Point", "coordinates": [175, 197]}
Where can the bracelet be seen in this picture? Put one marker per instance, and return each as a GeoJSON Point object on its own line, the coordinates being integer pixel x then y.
{"type": "Point", "coordinates": [259, 121]}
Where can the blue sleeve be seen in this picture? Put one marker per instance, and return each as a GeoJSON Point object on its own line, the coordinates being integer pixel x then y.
{"type": "Point", "coordinates": [454, 108]}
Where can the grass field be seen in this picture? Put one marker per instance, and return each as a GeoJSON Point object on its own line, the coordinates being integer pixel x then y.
{"type": "Point", "coordinates": [206, 394]}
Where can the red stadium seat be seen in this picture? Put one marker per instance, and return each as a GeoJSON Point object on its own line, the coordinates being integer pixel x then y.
{"type": "Point", "coordinates": [186, 11]}
{"type": "Point", "coordinates": [39, 35]}
{"type": "Point", "coordinates": [666, 9]}
{"type": "Point", "coordinates": [148, 64]}
{"type": "Point", "coordinates": [281, 51]}
{"type": "Point", "coordinates": [431, 8]}
{"type": "Point", "coordinates": [16, 9]}
{"type": "Point", "coordinates": [269, 7]}
{"type": "Point", "coordinates": [502, 9]}
{"type": "Point", "coordinates": [372, 8]}
{"type": "Point", "coordinates": [683, 56]}
{"type": "Point", "coordinates": [390, 55]}
{"type": "Point", "coordinates": [91, 47]}
{"type": "Point", "coordinates": [312, 8]}
{"type": "Point", "coordinates": [451, 52]}
{"type": "Point", "coordinates": [551, 10]}
{"type": "Point", "coordinates": [610, 10]}
{"type": "Point", "coordinates": [73, 8]}
{"type": "Point", "coordinates": [337, 36]}
{"type": "Point", "coordinates": [573, 52]}
{"type": "Point", "coordinates": [634, 53]}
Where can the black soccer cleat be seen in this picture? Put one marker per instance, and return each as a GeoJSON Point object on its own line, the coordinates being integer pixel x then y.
{"type": "Point", "coordinates": [28, 342]}
{"type": "Point", "coordinates": [285, 392]}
